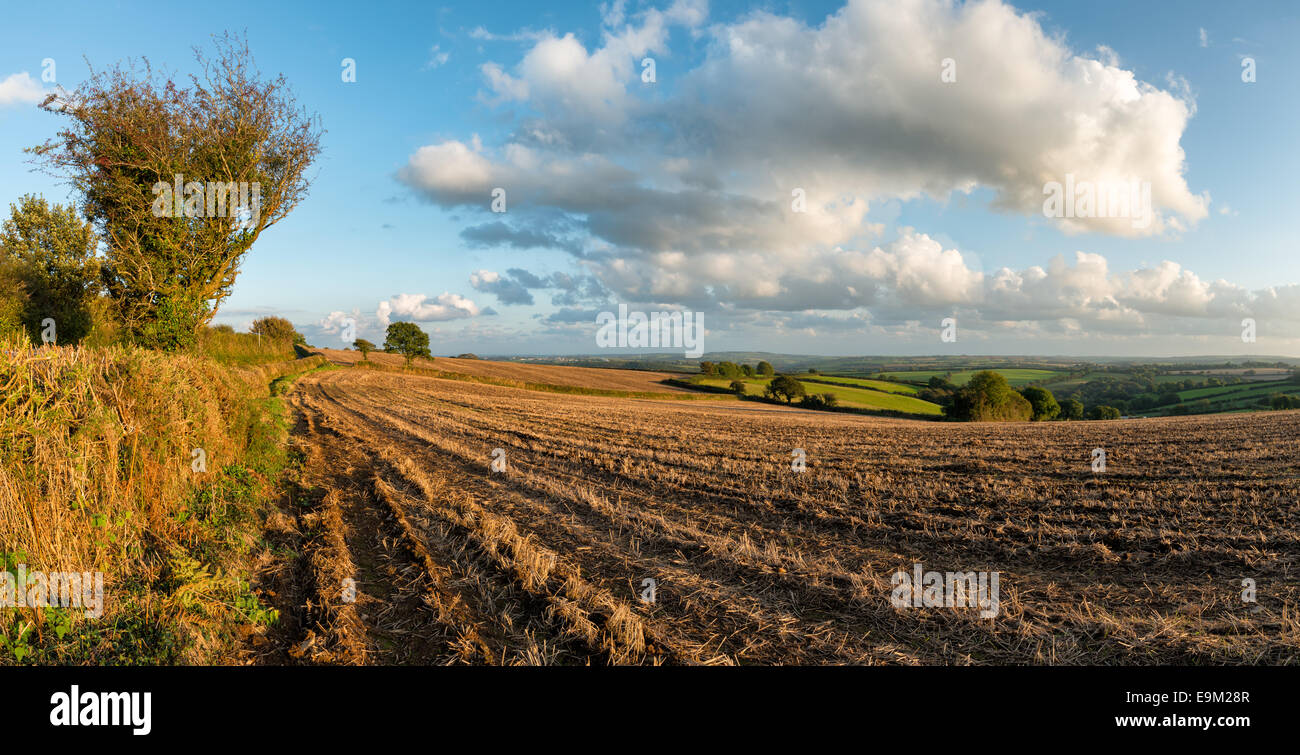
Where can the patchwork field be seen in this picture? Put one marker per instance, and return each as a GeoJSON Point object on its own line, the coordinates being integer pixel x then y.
{"type": "Point", "coordinates": [546, 559]}
{"type": "Point", "coordinates": [1015, 376]}
{"type": "Point", "coordinates": [848, 396]}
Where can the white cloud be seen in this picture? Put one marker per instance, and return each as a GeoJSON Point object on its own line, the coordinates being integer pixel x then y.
{"type": "Point", "coordinates": [420, 308]}
{"type": "Point", "coordinates": [20, 89]}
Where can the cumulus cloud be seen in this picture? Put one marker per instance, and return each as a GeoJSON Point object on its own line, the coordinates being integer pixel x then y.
{"type": "Point", "coordinates": [20, 89]}
{"type": "Point", "coordinates": [703, 192]}
{"type": "Point", "coordinates": [420, 308]}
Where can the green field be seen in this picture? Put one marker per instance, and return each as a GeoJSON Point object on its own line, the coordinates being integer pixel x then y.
{"type": "Point", "coordinates": [1239, 391]}
{"type": "Point", "coordinates": [877, 385]}
{"type": "Point", "coordinates": [858, 398]}
{"type": "Point", "coordinates": [1014, 376]}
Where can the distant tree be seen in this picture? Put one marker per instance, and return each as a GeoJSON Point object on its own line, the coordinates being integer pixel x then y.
{"type": "Point", "coordinates": [784, 387]}
{"type": "Point", "coordinates": [1104, 412]}
{"type": "Point", "coordinates": [1042, 401]}
{"type": "Point", "coordinates": [765, 369]}
{"type": "Point", "coordinates": [228, 330]}
{"type": "Point", "coordinates": [708, 368]}
{"type": "Point", "coordinates": [1071, 409]}
{"type": "Point", "coordinates": [365, 347]}
{"type": "Point", "coordinates": [407, 339]}
{"type": "Point", "coordinates": [277, 329]}
{"type": "Point", "coordinates": [940, 383]}
{"type": "Point", "coordinates": [738, 387]}
{"type": "Point", "coordinates": [50, 252]}
{"type": "Point", "coordinates": [812, 371]}
{"type": "Point", "coordinates": [988, 397]}
{"type": "Point", "coordinates": [747, 370]}
{"type": "Point", "coordinates": [467, 356]}
{"type": "Point", "coordinates": [729, 370]}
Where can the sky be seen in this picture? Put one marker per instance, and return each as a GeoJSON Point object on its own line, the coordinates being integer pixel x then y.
{"type": "Point", "coordinates": [810, 177]}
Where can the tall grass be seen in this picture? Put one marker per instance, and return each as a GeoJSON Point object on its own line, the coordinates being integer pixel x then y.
{"type": "Point", "coordinates": [243, 349]}
{"type": "Point", "coordinates": [98, 473]}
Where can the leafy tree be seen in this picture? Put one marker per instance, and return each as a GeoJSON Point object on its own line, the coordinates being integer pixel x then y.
{"type": "Point", "coordinates": [276, 329]}
{"type": "Point", "coordinates": [13, 299]}
{"type": "Point", "coordinates": [365, 347]}
{"type": "Point", "coordinates": [747, 370]}
{"type": "Point", "coordinates": [237, 147]}
{"type": "Point", "coordinates": [784, 387]}
{"type": "Point", "coordinates": [1042, 401]}
{"type": "Point", "coordinates": [708, 368]}
{"type": "Point", "coordinates": [1104, 412]}
{"type": "Point", "coordinates": [467, 356]}
{"type": "Point", "coordinates": [407, 339]}
{"type": "Point", "coordinates": [50, 252]}
{"type": "Point", "coordinates": [738, 387]}
{"type": "Point", "coordinates": [989, 398]}
{"type": "Point", "coordinates": [765, 369]}
{"type": "Point", "coordinates": [1071, 409]}
{"type": "Point", "coordinates": [729, 370]}
{"type": "Point", "coordinates": [228, 330]}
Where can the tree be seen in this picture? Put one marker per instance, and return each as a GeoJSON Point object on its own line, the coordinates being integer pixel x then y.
{"type": "Point", "coordinates": [50, 252]}
{"type": "Point", "coordinates": [988, 397]}
{"type": "Point", "coordinates": [738, 387]}
{"type": "Point", "coordinates": [708, 368]}
{"type": "Point", "coordinates": [747, 370]}
{"type": "Point", "coordinates": [276, 329]}
{"type": "Point", "coordinates": [365, 347]}
{"type": "Point", "coordinates": [467, 356]}
{"type": "Point", "coordinates": [1042, 402]}
{"type": "Point", "coordinates": [407, 339]}
{"type": "Point", "coordinates": [180, 181]}
{"type": "Point", "coordinates": [784, 387]}
{"type": "Point", "coordinates": [765, 369]}
{"type": "Point", "coordinates": [1071, 409]}
{"type": "Point", "coordinates": [1104, 412]}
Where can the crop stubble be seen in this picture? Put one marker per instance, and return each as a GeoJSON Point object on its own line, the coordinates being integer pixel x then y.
{"type": "Point", "coordinates": [758, 564]}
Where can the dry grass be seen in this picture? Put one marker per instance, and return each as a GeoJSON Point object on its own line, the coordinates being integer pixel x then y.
{"type": "Point", "coordinates": [756, 563]}
{"type": "Point", "coordinates": [96, 474]}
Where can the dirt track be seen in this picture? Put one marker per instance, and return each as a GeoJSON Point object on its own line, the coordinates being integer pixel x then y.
{"type": "Point", "coordinates": [544, 562]}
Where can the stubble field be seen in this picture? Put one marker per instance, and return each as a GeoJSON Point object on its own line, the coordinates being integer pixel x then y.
{"type": "Point", "coordinates": [545, 562]}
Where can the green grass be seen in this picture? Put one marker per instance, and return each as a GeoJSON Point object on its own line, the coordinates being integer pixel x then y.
{"type": "Point", "coordinates": [1241, 390]}
{"type": "Point", "coordinates": [878, 385]}
{"type": "Point", "coordinates": [243, 349]}
{"type": "Point", "coordinates": [858, 398]}
{"type": "Point", "coordinates": [1014, 376]}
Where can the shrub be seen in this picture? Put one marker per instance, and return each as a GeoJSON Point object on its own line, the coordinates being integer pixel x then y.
{"type": "Point", "coordinates": [1042, 401]}
{"type": "Point", "coordinates": [738, 387]}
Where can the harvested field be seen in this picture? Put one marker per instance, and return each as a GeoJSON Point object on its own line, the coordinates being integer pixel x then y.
{"type": "Point", "coordinates": [578, 377]}
{"type": "Point", "coordinates": [544, 562]}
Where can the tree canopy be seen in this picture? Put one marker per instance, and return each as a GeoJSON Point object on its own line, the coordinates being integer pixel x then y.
{"type": "Point", "coordinates": [180, 181]}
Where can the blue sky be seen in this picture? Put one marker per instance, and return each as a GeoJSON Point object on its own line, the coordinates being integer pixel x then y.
{"type": "Point", "coordinates": [500, 93]}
